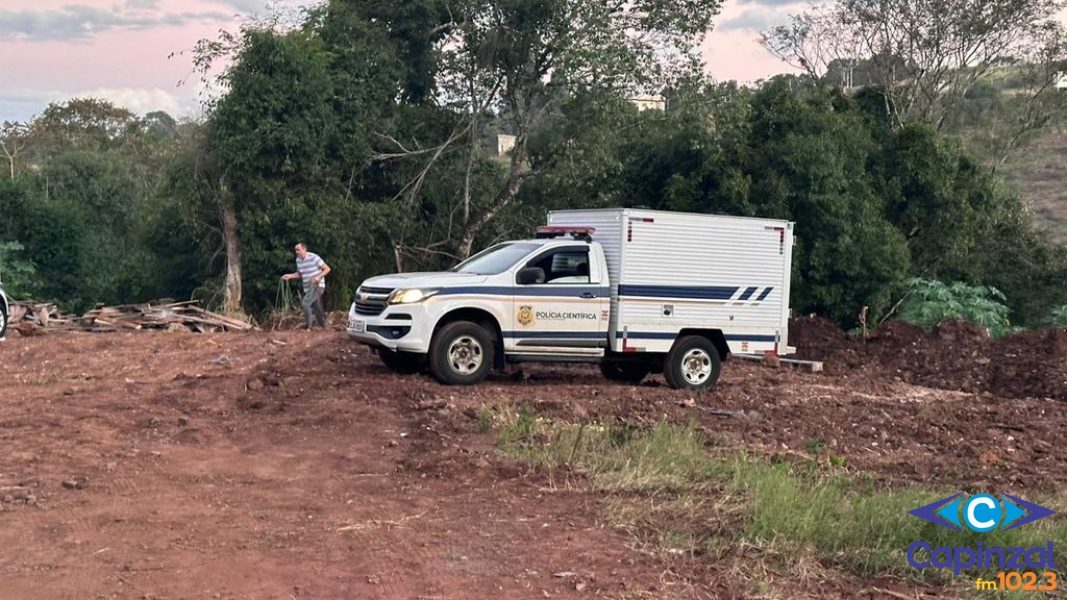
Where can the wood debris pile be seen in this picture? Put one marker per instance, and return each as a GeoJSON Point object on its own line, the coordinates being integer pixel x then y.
{"type": "Point", "coordinates": [31, 318]}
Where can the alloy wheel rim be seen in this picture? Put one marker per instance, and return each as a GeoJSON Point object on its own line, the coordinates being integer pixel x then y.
{"type": "Point", "coordinates": [696, 366]}
{"type": "Point", "coordinates": [465, 355]}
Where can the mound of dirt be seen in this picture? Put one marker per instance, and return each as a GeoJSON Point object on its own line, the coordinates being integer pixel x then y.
{"type": "Point", "coordinates": [951, 357]}
{"type": "Point", "coordinates": [817, 338]}
{"type": "Point", "coordinates": [956, 355]}
{"type": "Point", "coordinates": [1031, 363]}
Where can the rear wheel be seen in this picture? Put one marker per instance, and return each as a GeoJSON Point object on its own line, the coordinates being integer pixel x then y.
{"type": "Point", "coordinates": [692, 364]}
{"type": "Point", "coordinates": [401, 362]}
{"type": "Point", "coordinates": [3, 320]}
{"type": "Point", "coordinates": [626, 372]}
{"type": "Point", "coordinates": [461, 353]}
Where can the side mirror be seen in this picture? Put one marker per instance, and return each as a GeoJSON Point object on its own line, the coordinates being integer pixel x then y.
{"type": "Point", "coordinates": [531, 275]}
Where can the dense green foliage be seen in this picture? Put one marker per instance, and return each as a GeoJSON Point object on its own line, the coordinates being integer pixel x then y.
{"type": "Point", "coordinates": [1058, 318]}
{"type": "Point", "coordinates": [933, 302]}
{"type": "Point", "coordinates": [18, 272]}
{"type": "Point", "coordinates": [352, 133]}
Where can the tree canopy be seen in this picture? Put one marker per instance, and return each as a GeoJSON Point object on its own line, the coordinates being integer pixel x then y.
{"type": "Point", "coordinates": [370, 132]}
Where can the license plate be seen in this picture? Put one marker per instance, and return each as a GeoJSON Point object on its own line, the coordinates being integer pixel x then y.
{"type": "Point", "coordinates": [357, 326]}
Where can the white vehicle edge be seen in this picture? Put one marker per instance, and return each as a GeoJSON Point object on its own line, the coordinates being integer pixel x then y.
{"type": "Point", "coordinates": [5, 310]}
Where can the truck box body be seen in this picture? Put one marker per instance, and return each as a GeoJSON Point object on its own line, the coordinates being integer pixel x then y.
{"type": "Point", "coordinates": [674, 272]}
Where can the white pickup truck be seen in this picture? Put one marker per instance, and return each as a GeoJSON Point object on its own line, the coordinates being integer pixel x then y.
{"type": "Point", "coordinates": [5, 310]}
{"type": "Point", "coordinates": [635, 291]}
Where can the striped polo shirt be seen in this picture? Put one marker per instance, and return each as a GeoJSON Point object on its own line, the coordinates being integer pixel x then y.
{"type": "Point", "coordinates": [310, 267]}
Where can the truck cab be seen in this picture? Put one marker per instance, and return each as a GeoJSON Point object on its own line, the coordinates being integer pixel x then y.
{"type": "Point", "coordinates": [545, 299]}
{"type": "Point", "coordinates": [629, 290]}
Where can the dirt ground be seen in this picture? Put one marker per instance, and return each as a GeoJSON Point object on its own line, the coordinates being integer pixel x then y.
{"type": "Point", "coordinates": [293, 465]}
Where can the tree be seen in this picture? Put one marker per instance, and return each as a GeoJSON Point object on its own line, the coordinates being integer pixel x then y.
{"type": "Point", "coordinates": [17, 272]}
{"type": "Point", "coordinates": [271, 127]}
{"type": "Point", "coordinates": [522, 59]}
{"type": "Point", "coordinates": [925, 55]}
{"type": "Point", "coordinates": [12, 143]}
{"type": "Point", "coordinates": [807, 160]}
{"type": "Point", "coordinates": [86, 123]}
{"type": "Point", "coordinates": [821, 42]}
{"type": "Point", "coordinates": [160, 125]}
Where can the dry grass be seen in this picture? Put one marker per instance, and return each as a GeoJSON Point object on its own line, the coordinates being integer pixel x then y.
{"type": "Point", "coordinates": [683, 499]}
{"type": "Point", "coordinates": [1039, 173]}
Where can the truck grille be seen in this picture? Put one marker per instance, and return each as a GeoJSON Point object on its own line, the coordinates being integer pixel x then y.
{"type": "Point", "coordinates": [371, 301]}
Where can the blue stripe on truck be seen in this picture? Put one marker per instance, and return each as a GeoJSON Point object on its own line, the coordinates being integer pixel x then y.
{"type": "Point", "coordinates": [751, 338]}
{"type": "Point", "coordinates": [547, 290]}
{"type": "Point", "coordinates": [691, 293]}
{"type": "Point", "coordinates": [633, 335]}
{"type": "Point", "coordinates": [675, 291]}
{"type": "Point", "coordinates": [748, 294]}
{"type": "Point", "coordinates": [566, 335]}
{"type": "Point", "coordinates": [730, 337]}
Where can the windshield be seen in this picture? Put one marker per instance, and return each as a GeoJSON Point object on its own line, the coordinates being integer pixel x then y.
{"type": "Point", "coordinates": [495, 260]}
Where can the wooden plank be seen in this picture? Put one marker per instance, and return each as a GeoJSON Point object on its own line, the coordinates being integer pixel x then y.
{"type": "Point", "coordinates": [812, 366]}
{"type": "Point", "coordinates": [159, 314]}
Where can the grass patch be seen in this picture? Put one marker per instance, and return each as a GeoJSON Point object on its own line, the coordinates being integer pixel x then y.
{"type": "Point", "coordinates": [680, 495]}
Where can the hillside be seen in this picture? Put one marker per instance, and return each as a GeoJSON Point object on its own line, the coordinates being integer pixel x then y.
{"type": "Point", "coordinates": [1039, 173]}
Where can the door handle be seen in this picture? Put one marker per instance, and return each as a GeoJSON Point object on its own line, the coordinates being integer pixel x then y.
{"type": "Point", "coordinates": [587, 295]}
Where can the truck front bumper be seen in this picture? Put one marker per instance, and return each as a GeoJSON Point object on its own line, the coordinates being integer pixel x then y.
{"type": "Point", "coordinates": [401, 327]}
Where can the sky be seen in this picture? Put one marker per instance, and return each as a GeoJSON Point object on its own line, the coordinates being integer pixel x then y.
{"type": "Point", "coordinates": [137, 53]}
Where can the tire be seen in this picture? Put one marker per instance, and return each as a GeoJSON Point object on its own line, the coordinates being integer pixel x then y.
{"type": "Point", "coordinates": [624, 371]}
{"type": "Point", "coordinates": [461, 353]}
{"type": "Point", "coordinates": [404, 363]}
{"type": "Point", "coordinates": [3, 320]}
{"type": "Point", "coordinates": [692, 364]}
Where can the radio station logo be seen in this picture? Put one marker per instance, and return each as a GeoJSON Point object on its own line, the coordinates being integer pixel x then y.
{"type": "Point", "coordinates": [981, 513]}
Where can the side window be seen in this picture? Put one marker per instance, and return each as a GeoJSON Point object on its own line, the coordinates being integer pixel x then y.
{"type": "Point", "coordinates": [564, 266]}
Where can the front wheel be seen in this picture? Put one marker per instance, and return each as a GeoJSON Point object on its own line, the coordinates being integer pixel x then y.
{"type": "Point", "coordinates": [3, 321]}
{"type": "Point", "coordinates": [404, 363]}
{"type": "Point", "coordinates": [626, 372]}
{"type": "Point", "coordinates": [461, 353]}
{"type": "Point", "coordinates": [692, 364]}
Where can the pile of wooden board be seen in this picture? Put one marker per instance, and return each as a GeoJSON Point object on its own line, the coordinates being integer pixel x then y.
{"type": "Point", "coordinates": [30, 318]}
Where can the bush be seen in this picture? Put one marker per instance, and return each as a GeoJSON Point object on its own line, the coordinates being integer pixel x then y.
{"type": "Point", "coordinates": [1059, 317]}
{"type": "Point", "coordinates": [18, 273]}
{"type": "Point", "coordinates": [933, 302]}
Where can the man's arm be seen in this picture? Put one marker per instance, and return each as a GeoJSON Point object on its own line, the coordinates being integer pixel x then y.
{"type": "Point", "coordinates": [323, 272]}
{"type": "Point", "coordinates": [291, 276]}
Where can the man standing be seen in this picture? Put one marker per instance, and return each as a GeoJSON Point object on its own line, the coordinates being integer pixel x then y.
{"type": "Point", "coordinates": [312, 270]}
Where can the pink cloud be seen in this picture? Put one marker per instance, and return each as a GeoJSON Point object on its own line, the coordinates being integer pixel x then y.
{"type": "Point", "coordinates": [53, 49]}
{"type": "Point", "coordinates": [732, 49]}
{"type": "Point", "coordinates": [131, 53]}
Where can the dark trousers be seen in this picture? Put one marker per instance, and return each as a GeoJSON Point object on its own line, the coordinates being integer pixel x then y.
{"type": "Point", "coordinates": [313, 306]}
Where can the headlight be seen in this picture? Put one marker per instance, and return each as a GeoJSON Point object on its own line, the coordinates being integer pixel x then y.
{"type": "Point", "coordinates": [411, 296]}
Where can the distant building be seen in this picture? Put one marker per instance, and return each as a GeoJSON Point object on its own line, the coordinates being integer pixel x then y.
{"type": "Point", "coordinates": [1061, 80]}
{"type": "Point", "coordinates": [646, 102]}
{"type": "Point", "coordinates": [504, 144]}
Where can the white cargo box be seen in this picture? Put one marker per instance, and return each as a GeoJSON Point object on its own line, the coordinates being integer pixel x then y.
{"type": "Point", "coordinates": [675, 272]}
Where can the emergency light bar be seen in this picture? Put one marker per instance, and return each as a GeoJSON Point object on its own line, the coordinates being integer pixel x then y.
{"type": "Point", "coordinates": [554, 231]}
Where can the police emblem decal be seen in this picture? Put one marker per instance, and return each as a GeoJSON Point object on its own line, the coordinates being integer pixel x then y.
{"type": "Point", "coordinates": [526, 315]}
